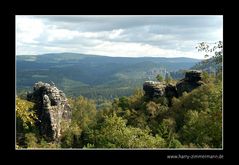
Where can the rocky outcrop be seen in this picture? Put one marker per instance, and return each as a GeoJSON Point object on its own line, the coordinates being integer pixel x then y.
{"type": "Point", "coordinates": [154, 89]}
{"type": "Point", "coordinates": [171, 91]}
{"type": "Point", "coordinates": [191, 81]}
{"type": "Point", "coordinates": [52, 109]}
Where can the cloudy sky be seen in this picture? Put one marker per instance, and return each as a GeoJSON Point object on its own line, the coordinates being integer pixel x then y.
{"type": "Point", "coordinates": [124, 36]}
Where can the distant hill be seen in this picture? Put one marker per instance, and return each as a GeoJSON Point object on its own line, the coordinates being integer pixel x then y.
{"type": "Point", "coordinates": [94, 76]}
{"type": "Point", "coordinates": [209, 65]}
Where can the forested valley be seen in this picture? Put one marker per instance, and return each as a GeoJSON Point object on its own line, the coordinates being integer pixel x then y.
{"type": "Point", "coordinates": [192, 120]}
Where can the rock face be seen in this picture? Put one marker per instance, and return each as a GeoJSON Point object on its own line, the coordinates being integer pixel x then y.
{"type": "Point", "coordinates": [52, 109]}
{"type": "Point", "coordinates": [154, 89]}
{"type": "Point", "coordinates": [171, 91]}
{"type": "Point", "coordinates": [191, 81]}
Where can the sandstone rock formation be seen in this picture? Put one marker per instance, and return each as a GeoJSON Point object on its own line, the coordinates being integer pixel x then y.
{"type": "Point", "coordinates": [191, 81]}
{"type": "Point", "coordinates": [154, 89]}
{"type": "Point", "coordinates": [52, 109]}
{"type": "Point", "coordinates": [171, 91]}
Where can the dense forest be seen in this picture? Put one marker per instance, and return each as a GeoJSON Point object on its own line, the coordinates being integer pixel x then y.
{"type": "Point", "coordinates": [193, 120]}
{"type": "Point", "coordinates": [92, 76]}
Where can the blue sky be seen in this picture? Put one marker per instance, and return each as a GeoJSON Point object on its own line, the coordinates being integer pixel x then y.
{"type": "Point", "coordinates": [122, 36]}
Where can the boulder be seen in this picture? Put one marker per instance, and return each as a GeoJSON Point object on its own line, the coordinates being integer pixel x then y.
{"type": "Point", "coordinates": [191, 81]}
{"type": "Point", "coordinates": [52, 109]}
{"type": "Point", "coordinates": [154, 89]}
{"type": "Point", "coordinates": [171, 91]}
{"type": "Point", "coordinates": [193, 76]}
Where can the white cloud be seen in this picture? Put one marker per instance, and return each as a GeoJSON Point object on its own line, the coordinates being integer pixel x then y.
{"type": "Point", "coordinates": [54, 34]}
{"type": "Point", "coordinates": [122, 49]}
{"type": "Point", "coordinates": [28, 29]}
{"type": "Point", "coordinates": [114, 34]}
{"type": "Point", "coordinates": [168, 36]}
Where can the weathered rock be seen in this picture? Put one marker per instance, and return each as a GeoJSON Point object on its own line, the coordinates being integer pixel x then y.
{"type": "Point", "coordinates": [154, 89]}
{"type": "Point", "coordinates": [171, 91]}
{"type": "Point", "coordinates": [52, 109]}
{"type": "Point", "coordinates": [193, 76]}
{"type": "Point", "coordinates": [191, 81]}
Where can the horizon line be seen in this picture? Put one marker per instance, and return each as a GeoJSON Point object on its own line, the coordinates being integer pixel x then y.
{"type": "Point", "coordinates": [153, 56]}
